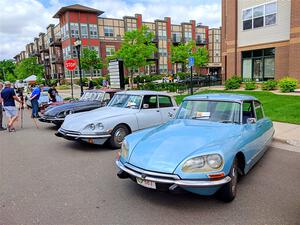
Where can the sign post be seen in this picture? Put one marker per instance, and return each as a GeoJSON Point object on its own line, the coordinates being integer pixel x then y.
{"type": "Point", "coordinates": [70, 65]}
{"type": "Point", "coordinates": [191, 64]}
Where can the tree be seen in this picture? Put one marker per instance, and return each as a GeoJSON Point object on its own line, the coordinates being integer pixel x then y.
{"type": "Point", "coordinates": [7, 68]}
{"type": "Point", "coordinates": [181, 53]}
{"type": "Point", "coordinates": [136, 50]}
{"type": "Point", "coordinates": [28, 67]}
{"type": "Point", "coordinates": [90, 61]}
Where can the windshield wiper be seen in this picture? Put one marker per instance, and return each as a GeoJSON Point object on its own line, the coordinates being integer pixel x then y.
{"type": "Point", "coordinates": [228, 121]}
{"type": "Point", "coordinates": [199, 117]}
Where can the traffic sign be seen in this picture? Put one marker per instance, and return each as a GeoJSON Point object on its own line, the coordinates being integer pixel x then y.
{"type": "Point", "coordinates": [191, 61]}
{"type": "Point", "coordinates": [70, 64]}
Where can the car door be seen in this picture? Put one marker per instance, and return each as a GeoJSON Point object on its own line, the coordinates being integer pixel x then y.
{"type": "Point", "coordinates": [149, 114]}
{"type": "Point", "coordinates": [263, 125]}
{"type": "Point", "coordinates": [166, 107]}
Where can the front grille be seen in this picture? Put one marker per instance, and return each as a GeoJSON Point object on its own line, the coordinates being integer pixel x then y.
{"type": "Point", "coordinates": [64, 131]}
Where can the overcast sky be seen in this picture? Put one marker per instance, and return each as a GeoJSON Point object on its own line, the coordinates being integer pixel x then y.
{"type": "Point", "coordinates": [22, 20]}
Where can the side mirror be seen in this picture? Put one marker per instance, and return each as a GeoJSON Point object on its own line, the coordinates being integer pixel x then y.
{"type": "Point", "coordinates": [145, 106]}
{"type": "Point", "coordinates": [251, 120]}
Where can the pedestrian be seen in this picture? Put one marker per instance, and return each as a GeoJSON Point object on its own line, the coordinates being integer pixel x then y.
{"type": "Point", "coordinates": [34, 97]}
{"type": "Point", "coordinates": [9, 97]}
{"type": "Point", "coordinates": [91, 84]}
{"type": "Point", "coordinates": [1, 108]}
{"type": "Point", "coordinates": [52, 93]}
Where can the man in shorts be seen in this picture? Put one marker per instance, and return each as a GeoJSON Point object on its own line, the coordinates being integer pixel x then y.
{"type": "Point", "coordinates": [9, 97]}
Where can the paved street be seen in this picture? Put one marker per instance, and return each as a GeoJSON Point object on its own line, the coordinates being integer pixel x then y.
{"type": "Point", "coordinates": [48, 180]}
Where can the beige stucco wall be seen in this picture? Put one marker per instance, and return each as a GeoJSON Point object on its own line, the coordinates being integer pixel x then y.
{"type": "Point", "coordinates": [273, 33]}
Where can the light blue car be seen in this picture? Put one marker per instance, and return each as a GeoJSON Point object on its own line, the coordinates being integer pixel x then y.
{"type": "Point", "coordinates": [213, 139]}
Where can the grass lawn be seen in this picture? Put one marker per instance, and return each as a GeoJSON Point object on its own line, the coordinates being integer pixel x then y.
{"type": "Point", "coordinates": [281, 108]}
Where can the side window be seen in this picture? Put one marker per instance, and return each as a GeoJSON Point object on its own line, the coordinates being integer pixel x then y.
{"type": "Point", "coordinates": [150, 102]}
{"type": "Point", "coordinates": [248, 111]}
{"type": "Point", "coordinates": [258, 111]}
{"type": "Point", "coordinates": [106, 97]}
{"type": "Point", "coordinates": [165, 101]}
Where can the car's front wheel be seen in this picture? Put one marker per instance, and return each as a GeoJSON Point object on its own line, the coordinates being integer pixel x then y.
{"type": "Point", "coordinates": [117, 136]}
{"type": "Point", "coordinates": [228, 192]}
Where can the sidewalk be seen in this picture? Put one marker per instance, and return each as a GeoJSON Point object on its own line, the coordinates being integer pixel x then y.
{"type": "Point", "coordinates": [287, 133]}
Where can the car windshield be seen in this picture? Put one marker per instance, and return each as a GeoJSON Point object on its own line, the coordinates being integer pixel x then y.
{"type": "Point", "coordinates": [92, 96]}
{"type": "Point", "coordinates": [126, 101]}
{"type": "Point", "coordinates": [216, 111]}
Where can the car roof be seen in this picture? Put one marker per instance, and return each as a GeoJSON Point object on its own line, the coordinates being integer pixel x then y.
{"type": "Point", "coordinates": [102, 90]}
{"type": "Point", "coordinates": [221, 97]}
{"type": "Point", "coordinates": [143, 92]}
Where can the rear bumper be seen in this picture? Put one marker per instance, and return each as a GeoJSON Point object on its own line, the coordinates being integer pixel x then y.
{"type": "Point", "coordinates": [173, 180]}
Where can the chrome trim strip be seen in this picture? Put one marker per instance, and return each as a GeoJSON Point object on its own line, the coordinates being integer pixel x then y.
{"type": "Point", "coordinates": [172, 176]}
{"type": "Point", "coordinates": [186, 183]}
{"type": "Point", "coordinates": [78, 135]}
{"type": "Point", "coordinates": [52, 119]}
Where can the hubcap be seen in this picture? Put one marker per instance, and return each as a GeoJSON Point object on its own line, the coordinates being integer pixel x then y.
{"type": "Point", "coordinates": [119, 135]}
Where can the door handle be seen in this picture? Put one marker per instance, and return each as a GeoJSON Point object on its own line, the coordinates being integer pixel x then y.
{"type": "Point", "coordinates": [170, 114]}
{"type": "Point", "coordinates": [157, 110]}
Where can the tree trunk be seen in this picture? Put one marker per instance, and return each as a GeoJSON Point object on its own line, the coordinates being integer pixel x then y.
{"type": "Point", "coordinates": [131, 79]}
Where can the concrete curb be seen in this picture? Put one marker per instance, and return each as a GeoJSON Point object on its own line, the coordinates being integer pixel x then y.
{"type": "Point", "coordinates": [286, 141]}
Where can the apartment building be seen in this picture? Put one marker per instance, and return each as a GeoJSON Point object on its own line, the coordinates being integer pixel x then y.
{"type": "Point", "coordinates": [105, 35]}
{"type": "Point", "coordinates": [214, 49]}
{"type": "Point", "coordinates": [261, 39]}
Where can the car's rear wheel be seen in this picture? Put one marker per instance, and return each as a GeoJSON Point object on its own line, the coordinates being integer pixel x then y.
{"type": "Point", "coordinates": [117, 136]}
{"type": "Point", "coordinates": [228, 192]}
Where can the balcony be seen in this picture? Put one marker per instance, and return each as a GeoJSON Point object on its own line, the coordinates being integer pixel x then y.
{"type": "Point", "coordinates": [54, 42]}
{"type": "Point", "coordinates": [201, 41]}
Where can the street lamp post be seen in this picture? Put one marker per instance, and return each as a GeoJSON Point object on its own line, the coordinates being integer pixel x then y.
{"type": "Point", "coordinates": [77, 44]}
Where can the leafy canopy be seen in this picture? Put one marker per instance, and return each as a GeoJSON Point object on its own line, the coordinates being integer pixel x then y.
{"type": "Point", "coordinates": [137, 48]}
{"type": "Point", "coordinates": [182, 52]}
{"type": "Point", "coordinates": [90, 60]}
{"type": "Point", "coordinates": [28, 67]}
{"type": "Point", "coordinates": [7, 68]}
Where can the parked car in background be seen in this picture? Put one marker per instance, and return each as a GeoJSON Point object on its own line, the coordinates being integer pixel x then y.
{"type": "Point", "coordinates": [44, 98]}
{"type": "Point", "coordinates": [127, 112]}
{"type": "Point", "coordinates": [213, 139]}
{"type": "Point", "coordinates": [91, 99]}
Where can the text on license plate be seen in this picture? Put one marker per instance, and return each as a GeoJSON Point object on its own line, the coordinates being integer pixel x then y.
{"type": "Point", "coordinates": [146, 183]}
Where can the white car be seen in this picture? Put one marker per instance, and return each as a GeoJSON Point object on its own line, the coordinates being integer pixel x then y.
{"type": "Point", "coordinates": [127, 112]}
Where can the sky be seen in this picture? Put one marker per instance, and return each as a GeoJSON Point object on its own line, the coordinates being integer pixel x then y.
{"type": "Point", "coordinates": [22, 20]}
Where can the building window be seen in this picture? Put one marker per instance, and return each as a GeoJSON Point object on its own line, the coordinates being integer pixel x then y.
{"type": "Point", "coordinates": [84, 30]}
{"type": "Point", "coordinates": [74, 30]}
{"type": "Point", "coordinates": [65, 32]}
{"type": "Point", "coordinates": [108, 31]}
{"type": "Point", "coordinates": [187, 36]}
{"type": "Point", "coordinates": [176, 37]}
{"type": "Point", "coordinates": [258, 64]}
{"type": "Point", "coordinates": [93, 31]}
{"type": "Point", "coordinates": [110, 50]}
{"type": "Point", "coordinates": [163, 52]}
{"type": "Point", "coordinates": [259, 16]}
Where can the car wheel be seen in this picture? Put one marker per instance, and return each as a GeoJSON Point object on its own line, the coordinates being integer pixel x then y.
{"type": "Point", "coordinates": [117, 136]}
{"type": "Point", "coordinates": [228, 192]}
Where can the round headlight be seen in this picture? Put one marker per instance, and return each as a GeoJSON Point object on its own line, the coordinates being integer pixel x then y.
{"type": "Point", "coordinates": [99, 126]}
{"type": "Point", "coordinates": [124, 149]}
{"type": "Point", "coordinates": [214, 161]}
{"type": "Point", "coordinates": [92, 126]}
{"type": "Point", "coordinates": [193, 164]}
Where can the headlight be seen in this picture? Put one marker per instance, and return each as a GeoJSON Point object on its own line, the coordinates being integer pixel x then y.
{"type": "Point", "coordinates": [64, 113]}
{"type": "Point", "coordinates": [124, 149]}
{"type": "Point", "coordinates": [99, 126]}
{"type": "Point", "coordinates": [92, 126]}
{"type": "Point", "coordinates": [205, 163]}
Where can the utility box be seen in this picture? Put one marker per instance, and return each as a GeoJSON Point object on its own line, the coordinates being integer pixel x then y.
{"type": "Point", "coordinates": [116, 74]}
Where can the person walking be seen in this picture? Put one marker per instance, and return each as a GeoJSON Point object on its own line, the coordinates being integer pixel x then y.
{"type": "Point", "coordinates": [1, 109]}
{"type": "Point", "coordinates": [9, 97]}
{"type": "Point", "coordinates": [34, 97]}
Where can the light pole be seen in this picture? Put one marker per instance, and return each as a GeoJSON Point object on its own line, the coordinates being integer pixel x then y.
{"type": "Point", "coordinates": [77, 44]}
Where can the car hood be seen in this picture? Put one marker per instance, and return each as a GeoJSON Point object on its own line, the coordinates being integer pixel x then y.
{"type": "Point", "coordinates": [76, 105]}
{"type": "Point", "coordinates": [164, 148]}
{"type": "Point", "coordinates": [78, 121]}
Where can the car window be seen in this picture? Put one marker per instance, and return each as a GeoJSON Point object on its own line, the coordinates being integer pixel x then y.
{"type": "Point", "coordinates": [258, 110]}
{"type": "Point", "coordinates": [248, 111]}
{"type": "Point", "coordinates": [165, 101]}
{"type": "Point", "coordinates": [106, 97]}
{"type": "Point", "coordinates": [150, 102]}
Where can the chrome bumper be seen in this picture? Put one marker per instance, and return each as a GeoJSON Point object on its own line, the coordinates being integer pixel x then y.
{"type": "Point", "coordinates": [51, 119]}
{"type": "Point", "coordinates": [77, 135]}
{"type": "Point", "coordinates": [178, 181]}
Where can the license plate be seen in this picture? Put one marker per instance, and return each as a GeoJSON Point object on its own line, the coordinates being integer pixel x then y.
{"type": "Point", "coordinates": [146, 183]}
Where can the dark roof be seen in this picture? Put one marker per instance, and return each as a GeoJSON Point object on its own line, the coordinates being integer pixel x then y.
{"type": "Point", "coordinates": [77, 7]}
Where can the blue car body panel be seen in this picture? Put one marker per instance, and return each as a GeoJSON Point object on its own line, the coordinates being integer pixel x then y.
{"type": "Point", "coordinates": [165, 148]}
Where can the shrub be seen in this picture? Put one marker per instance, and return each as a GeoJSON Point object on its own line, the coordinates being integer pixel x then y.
{"type": "Point", "coordinates": [182, 75]}
{"type": "Point", "coordinates": [63, 87]}
{"type": "Point", "coordinates": [233, 83]}
{"type": "Point", "coordinates": [84, 81]}
{"type": "Point", "coordinates": [250, 85]}
{"type": "Point", "coordinates": [269, 85]}
{"type": "Point", "coordinates": [288, 84]}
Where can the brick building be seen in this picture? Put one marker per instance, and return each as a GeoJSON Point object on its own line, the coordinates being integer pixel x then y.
{"type": "Point", "coordinates": [105, 35]}
{"type": "Point", "coordinates": [261, 39]}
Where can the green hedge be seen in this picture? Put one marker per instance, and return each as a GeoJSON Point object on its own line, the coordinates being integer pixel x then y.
{"type": "Point", "coordinates": [288, 84]}
{"type": "Point", "coordinates": [250, 85]}
{"type": "Point", "coordinates": [269, 85]}
{"type": "Point", "coordinates": [233, 83]}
